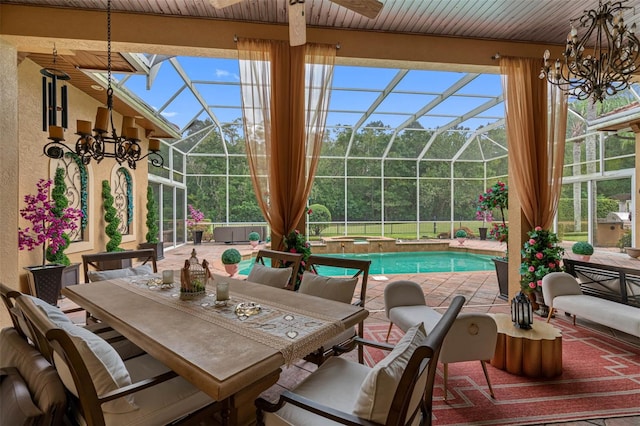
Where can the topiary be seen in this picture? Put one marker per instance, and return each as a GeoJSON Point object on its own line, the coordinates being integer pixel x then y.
{"type": "Point", "coordinates": [583, 248]}
{"type": "Point", "coordinates": [59, 197]}
{"type": "Point", "coordinates": [318, 213]}
{"type": "Point", "coordinates": [152, 218]}
{"type": "Point", "coordinates": [111, 217]}
{"type": "Point", "coordinates": [461, 233]}
{"type": "Point", "coordinates": [231, 256]}
{"type": "Point", "coordinates": [254, 236]}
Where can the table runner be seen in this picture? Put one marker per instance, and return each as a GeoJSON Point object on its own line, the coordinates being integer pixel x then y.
{"type": "Point", "coordinates": [289, 330]}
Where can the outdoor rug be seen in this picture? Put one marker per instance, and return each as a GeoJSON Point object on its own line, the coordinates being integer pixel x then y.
{"type": "Point", "coordinates": [601, 378]}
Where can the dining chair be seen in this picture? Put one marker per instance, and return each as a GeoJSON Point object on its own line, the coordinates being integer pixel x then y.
{"type": "Point", "coordinates": [282, 272]}
{"type": "Point", "coordinates": [396, 391]}
{"type": "Point", "coordinates": [472, 337]}
{"type": "Point", "coordinates": [116, 264]}
{"type": "Point", "coordinates": [104, 389]}
{"type": "Point", "coordinates": [9, 296]}
{"type": "Point", "coordinates": [320, 280]}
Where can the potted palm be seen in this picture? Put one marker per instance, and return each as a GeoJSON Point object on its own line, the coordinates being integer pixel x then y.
{"type": "Point", "coordinates": [254, 239]}
{"type": "Point", "coordinates": [230, 259]}
{"type": "Point", "coordinates": [583, 249]}
{"type": "Point", "coordinates": [47, 229]}
{"type": "Point", "coordinates": [195, 217]}
{"type": "Point", "coordinates": [541, 255]}
{"type": "Point", "coordinates": [496, 197]}
{"type": "Point", "coordinates": [151, 237]}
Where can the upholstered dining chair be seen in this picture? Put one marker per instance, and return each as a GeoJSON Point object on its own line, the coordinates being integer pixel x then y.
{"type": "Point", "coordinates": [396, 391]}
{"type": "Point", "coordinates": [282, 272]}
{"type": "Point", "coordinates": [9, 296]}
{"type": "Point", "coordinates": [472, 337]}
{"type": "Point", "coordinates": [104, 389]}
{"type": "Point", "coordinates": [108, 265]}
{"type": "Point", "coordinates": [318, 281]}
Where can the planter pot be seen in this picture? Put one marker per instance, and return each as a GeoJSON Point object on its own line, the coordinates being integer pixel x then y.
{"type": "Point", "coordinates": [254, 244]}
{"type": "Point", "coordinates": [45, 282]}
{"type": "Point", "coordinates": [461, 240]}
{"type": "Point", "coordinates": [158, 247]}
{"type": "Point", "coordinates": [231, 269]}
{"type": "Point", "coordinates": [483, 233]}
{"type": "Point", "coordinates": [537, 303]}
{"type": "Point", "coordinates": [502, 271]}
{"type": "Point", "coordinates": [583, 257]}
{"type": "Point", "coordinates": [197, 237]}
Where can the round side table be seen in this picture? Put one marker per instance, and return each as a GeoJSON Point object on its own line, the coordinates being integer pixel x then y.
{"type": "Point", "coordinates": [533, 353]}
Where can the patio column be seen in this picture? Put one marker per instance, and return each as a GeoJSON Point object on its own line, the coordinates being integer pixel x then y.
{"type": "Point", "coordinates": [635, 127]}
{"type": "Point", "coordinates": [9, 170]}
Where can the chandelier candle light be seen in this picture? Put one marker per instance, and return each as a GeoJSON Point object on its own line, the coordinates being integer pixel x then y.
{"type": "Point", "coordinates": [613, 59]}
{"type": "Point", "coordinates": [96, 143]}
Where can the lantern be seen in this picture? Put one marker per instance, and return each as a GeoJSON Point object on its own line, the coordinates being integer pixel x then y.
{"type": "Point", "coordinates": [521, 311]}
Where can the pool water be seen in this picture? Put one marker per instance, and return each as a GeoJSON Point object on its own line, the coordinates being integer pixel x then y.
{"type": "Point", "coordinates": [407, 263]}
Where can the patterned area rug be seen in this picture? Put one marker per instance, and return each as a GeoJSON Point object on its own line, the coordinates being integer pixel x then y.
{"type": "Point", "coordinates": [601, 378]}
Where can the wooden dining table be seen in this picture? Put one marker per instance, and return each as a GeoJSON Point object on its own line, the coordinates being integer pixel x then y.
{"type": "Point", "coordinates": [229, 356]}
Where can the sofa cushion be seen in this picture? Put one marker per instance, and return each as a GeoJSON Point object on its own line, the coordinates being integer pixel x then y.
{"type": "Point", "coordinates": [338, 289]}
{"type": "Point", "coordinates": [379, 387]}
{"type": "Point", "coordinates": [602, 311]}
{"type": "Point", "coordinates": [104, 365]}
{"type": "Point", "coordinates": [273, 277]}
{"type": "Point", "coordinates": [15, 399]}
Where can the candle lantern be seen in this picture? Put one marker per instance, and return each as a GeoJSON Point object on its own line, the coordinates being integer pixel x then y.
{"type": "Point", "coordinates": [521, 311]}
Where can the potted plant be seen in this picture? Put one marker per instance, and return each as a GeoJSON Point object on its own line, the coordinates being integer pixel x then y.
{"type": "Point", "coordinates": [296, 242]}
{"type": "Point", "coordinates": [583, 249]}
{"type": "Point", "coordinates": [151, 237]}
{"type": "Point", "coordinates": [485, 216]}
{"type": "Point", "coordinates": [541, 255]}
{"type": "Point", "coordinates": [195, 217]}
{"type": "Point", "coordinates": [254, 239]}
{"type": "Point", "coordinates": [71, 272]}
{"type": "Point", "coordinates": [461, 235]}
{"type": "Point", "coordinates": [230, 259]}
{"type": "Point", "coordinates": [497, 197]}
{"type": "Point", "coordinates": [47, 229]}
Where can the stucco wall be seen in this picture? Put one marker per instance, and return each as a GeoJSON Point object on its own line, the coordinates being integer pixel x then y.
{"type": "Point", "coordinates": [33, 165]}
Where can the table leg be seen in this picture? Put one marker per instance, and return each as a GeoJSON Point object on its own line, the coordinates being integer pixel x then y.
{"type": "Point", "coordinates": [242, 410]}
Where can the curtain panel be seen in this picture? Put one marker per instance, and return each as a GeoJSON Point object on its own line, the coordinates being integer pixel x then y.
{"type": "Point", "coordinates": [285, 97]}
{"type": "Point", "coordinates": [536, 121]}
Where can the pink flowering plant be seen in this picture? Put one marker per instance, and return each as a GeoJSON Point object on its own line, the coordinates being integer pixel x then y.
{"type": "Point", "coordinates": [48, 224]}
{"type": "Point", "coordinates": [296, 242]}
{"type": "Point", "coordinates": [541, 255]}
{"type": "Point", "coordinates": [195, 217]}
{"type": "Point", "coordinates": [496, 197]}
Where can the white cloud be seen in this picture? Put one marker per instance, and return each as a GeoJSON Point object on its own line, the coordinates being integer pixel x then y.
{"type": "Point", "coordinates": [169, 114]}
{"type": "Point", "coordinates": [223, 73]}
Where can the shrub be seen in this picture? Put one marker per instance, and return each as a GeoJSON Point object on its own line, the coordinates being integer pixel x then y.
{"type": "Point", "coordinates": [461, 233]}
{"type": "Point", "coordinates": [231, 256]}
{"type": "Point", "coordinates": [59, 197]}
{"type": "Point", "coordinates": [582, 248]}
{"type": "Point", "coordinates": [541, 255]}
{"type": "Point", "coordinates": [254, 236]}
{"type": "Point", "coordinates": [625, 240]}
{"type": "Point", "coordinates": [111, 217]}
{"type": "Point", "coordinates": [318, 213]}
{"type": "Point", "coordinates": [152, 218]}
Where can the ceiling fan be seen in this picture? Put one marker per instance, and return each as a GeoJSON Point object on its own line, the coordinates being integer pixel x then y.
{"type": "Point", "coordinates": [297, 22]}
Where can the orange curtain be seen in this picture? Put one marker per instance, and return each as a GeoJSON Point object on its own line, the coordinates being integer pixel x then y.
{"type": "Point", "coordinates": [285, 97]}
{"type": "Point", "coordinates": [536, 120]}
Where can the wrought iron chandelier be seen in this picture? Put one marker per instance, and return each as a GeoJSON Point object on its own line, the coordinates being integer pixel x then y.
{"type": "Point", "coordinates": [605, 68]}
{"type": "Point", "coordinates": [97, 144]}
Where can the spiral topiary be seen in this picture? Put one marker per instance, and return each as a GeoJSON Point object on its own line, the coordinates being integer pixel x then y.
{"type": "Point", "coordinates": [111, 217]}
{"type": "Point", "coordinates": [59, 197]}
{"type": "Point", "coordinates": [152, 218]}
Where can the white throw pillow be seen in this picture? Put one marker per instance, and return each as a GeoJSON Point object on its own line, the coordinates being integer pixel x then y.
{"type": "Point", "coordinates": [54, 313]}
{"type": "Point", "coordinates": [109, 275]}
{"type": "Point", "coordinates": [105, 367]}
{"type": "Point", "coordinates": [273, 277]}
{"type": "Point", "coordinates": [338, 289]}
{"type": "Point", "coordinates": [142, 270]}
{"type": "Point", "coordinates": [379, 387]}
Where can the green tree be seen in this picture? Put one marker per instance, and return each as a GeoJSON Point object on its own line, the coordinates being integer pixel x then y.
{"type": "Point", "coordinates": [111, 217]}
{"type": "Point", "coordinates": [152, 218]}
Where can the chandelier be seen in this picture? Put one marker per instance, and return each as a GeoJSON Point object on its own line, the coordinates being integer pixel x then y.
{"type": "Point", "coordinates": [604, 69]}
{"type": "Point", "coordinates": [96, 143]}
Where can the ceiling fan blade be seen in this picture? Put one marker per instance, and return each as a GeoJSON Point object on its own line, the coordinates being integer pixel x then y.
{"type": "Point", "coordinates": [368, 8]}
{"type": "Point", "coordinates": [297, 24]}
{"type": "Point", "coordinates": [219, 4]}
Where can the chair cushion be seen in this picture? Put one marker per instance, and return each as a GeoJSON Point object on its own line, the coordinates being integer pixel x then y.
{"type": "Point", "coordinates": [104, 365]}
{"type": "Point", "coordinates": [338, 289]}
{"type": "Point", "coordinates": [273, 277]}
{"type": "Point", "coordinates": [15, 399]}
{"type": "Point", "coordinates": [119, 273]}
{"type": "Point", "coordinates": [54, 313]}
{"type": "Point", "coordinates": [379, 387]}
{"type": "Point", "coordinates": [406, 317]}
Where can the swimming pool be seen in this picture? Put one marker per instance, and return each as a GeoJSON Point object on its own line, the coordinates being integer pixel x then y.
{"type": "Point", "coordinates": [408, 263]}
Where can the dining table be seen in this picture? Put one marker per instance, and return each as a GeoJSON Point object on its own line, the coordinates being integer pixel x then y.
{"type": "Point", "coordinates": [231, 349]}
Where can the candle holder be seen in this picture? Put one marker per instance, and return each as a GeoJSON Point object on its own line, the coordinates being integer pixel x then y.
{"type": "Point", "coordinates": [521, 311]}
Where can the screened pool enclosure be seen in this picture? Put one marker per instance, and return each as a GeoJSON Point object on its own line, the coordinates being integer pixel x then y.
{"type": "Point", "coordinates": [406, 153]}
